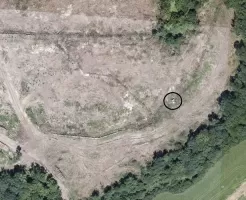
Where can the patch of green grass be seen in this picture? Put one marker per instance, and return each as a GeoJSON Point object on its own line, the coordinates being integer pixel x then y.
{"type": "Point", "coordinates": [173, 7]}
{"type": "Point", "coordinates": [242, 198]}
{"type": "Point", "coordinates": [9, 121]}
{"type": "Point", "coordinates": [21, 4]}
{"type": "Point", "coordinates": [4, 157]}
{"type": "Point", "coordinates": [100, 107]}
{"type": "Point", "coordinates": [68, 103]}
{"type": "Point", "coordinates": [8, 157]}
{"type": "Point", "coordinates": [96, 124]}
{"type": "Point", "coordinates": [198, 76]}
{"type": "Point", "coordinates": [220, 181]}
{"type": "Point", "coordinates": [24, 87]}
{"type": "Point", "coordinates": [36, 114]}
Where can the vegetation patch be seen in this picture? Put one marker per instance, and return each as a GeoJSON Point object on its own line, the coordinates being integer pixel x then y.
{"type": "Point", "coordinates": [177, 20]}
{"type": "Point", "coordinates": [220, 181]}
{"type": "Point", "coordinates": [36, 114]}
{"type": "Point", "coordinates": [197, 77]}
{"type": "Point", "coordinates": [34, 183]}
{"type": "Point", "coordinates": [8, 157]}
{"type": "Point", "coordinates": [21, 4]}
{"type": "Point", "coordinates": [25, 88]}
{"type": "Point", "coordinates": [9, 121]}
{"type": "Point", "coordinates": [242, 198]}
{"type": "Point", "coordinates": [97, 124]}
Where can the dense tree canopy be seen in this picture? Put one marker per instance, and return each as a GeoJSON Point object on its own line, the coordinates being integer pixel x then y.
{"type": "Point", "coordinates": [177, 19]}
{"type": "Point", "coordinates": [28, 184]}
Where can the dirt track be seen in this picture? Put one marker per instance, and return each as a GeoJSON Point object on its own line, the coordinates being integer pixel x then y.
{"type": "Point", "coordinates": [240, 192]}
{"type": "Point", "coordinates": [113, 62]}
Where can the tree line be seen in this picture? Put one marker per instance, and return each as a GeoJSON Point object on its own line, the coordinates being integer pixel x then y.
{"type": "Point", "coordinates": [22, 183]}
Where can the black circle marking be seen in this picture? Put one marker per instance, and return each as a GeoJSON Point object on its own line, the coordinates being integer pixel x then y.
{"type": "Point", "coordinates": [175, 99]}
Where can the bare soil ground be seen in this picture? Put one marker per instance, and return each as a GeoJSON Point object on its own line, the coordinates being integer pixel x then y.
{"type": "Point", "coordinates": [87, 85]}
{"type": "Point", "coordinates": [138, 9]}
{"type": "Point", "coordinates": [239, 193]}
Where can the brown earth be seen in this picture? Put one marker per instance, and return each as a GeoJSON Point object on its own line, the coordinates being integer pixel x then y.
{"type": "Point", "coordinates": [87, 85]}
{"type": "Point", "coordinates": [138, 9]}
{"type": "Point", "coordinates": [239, 193]}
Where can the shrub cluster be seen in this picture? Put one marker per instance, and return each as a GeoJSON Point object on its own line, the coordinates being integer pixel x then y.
{"type": "Point", "coordinates": [34, 183]}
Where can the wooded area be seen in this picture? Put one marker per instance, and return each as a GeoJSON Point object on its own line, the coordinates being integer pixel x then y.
{"type": "Point", "coordinates": [177, 20]}
{"type": "Point", "coordinates": [28, 184]}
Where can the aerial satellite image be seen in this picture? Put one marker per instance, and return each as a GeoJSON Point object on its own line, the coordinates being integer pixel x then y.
{"type": "Point", "coordinates": [123, 99]}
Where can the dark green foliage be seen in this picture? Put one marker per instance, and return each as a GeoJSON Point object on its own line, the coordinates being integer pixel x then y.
{"type": "Point", "coordinates": [28, 184]}
{"type": "Point", "coordinates": [177, 19]}
{"type": "Point", "coordinates": [18, 151]}
{"type": "Point", "coordinates": [240, 15]}
{"type": "Point", "coordinates": [177, 170]}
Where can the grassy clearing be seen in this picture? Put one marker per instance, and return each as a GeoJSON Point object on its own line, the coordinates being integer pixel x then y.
{"type": "Point", "coordinates": [8, 157]}
{"type": "Point", "coordinates": [37, 115]}
{"type": "Point", "coordinates": [9, 121]}
{"type": "Point", "coordinates": [5, 157]}
{"type": "Point", "coordinates": [198, 76]}
{"type": "Point", "coordinates": [220, 181]}
{"type": "Point", "coordinates": [242, 198]}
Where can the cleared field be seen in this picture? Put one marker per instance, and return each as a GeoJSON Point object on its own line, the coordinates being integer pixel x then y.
{"type": "Point", "coordinates": [88, 90]}
{"type": "Point", "coordinates": [220, 181]}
